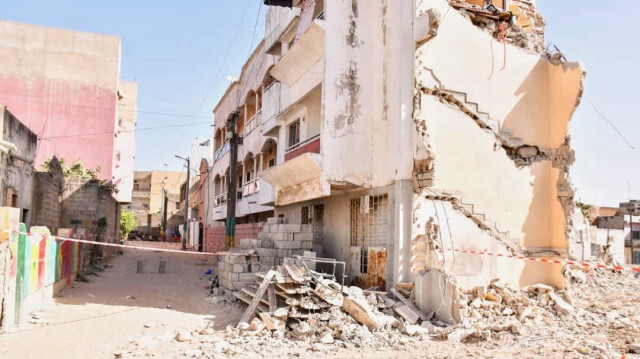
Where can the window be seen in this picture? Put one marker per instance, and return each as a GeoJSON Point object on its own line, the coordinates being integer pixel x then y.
{"type": "Point", "coordinates": [272, 162]}
{"type": "Point", "coordinates": [294, 134]}
{"type": "Point", "coordinates": [248, 176]}
{"type": "Point", "coordinates": [635, 235]}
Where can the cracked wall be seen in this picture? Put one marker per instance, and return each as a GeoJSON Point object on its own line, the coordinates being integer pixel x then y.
{"type": "Point", "coordinates": [495, 154]}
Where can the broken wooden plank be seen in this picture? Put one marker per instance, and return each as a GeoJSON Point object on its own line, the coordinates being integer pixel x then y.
{"type": "Point", "coordinates": [271, 293]}
{"type": "Point", "coordinates": [408, 303]}
{"type": "Point", "coordinates": [358, 313]}
{"type": "Point", "coordinates": [248, 314]}
{"type": "Point", "coordinates": [272, 323]}
{"type": "Point", "coordinates": [247, 299]}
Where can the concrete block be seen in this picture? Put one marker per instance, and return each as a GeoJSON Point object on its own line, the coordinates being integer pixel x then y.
{"type": "Point", "coordinates": [285, 253]}
{"type": "Point", "coordinates": [247, 277]}
{"type": "Point", "coordinates": [267, 252]}
{"type": "Point", "coordinates": [236, 259]}
{"type": "Point", "coordinates": [255, 268]}
{"type": "Point", "coordinates": [307, 236]}
{"type": "Point", "coordinates": [233, 277]}
{"type": "Point", "coordinates": [268, 261]}
{"type": "Point", "coordinates": [407, 313]}
{"type": "Point", "coordinates": [239, 285]}
{"type": "Point", "coordinates": [267, 243]}
{"type": "Point", "coordinates": [285, 228]}
{"type": "Point", "coordinates": [311, 265]}
{"type": "Point", "coordinates": [287, 244]}
{"type": "Point", "coordinates": [264, 235]}
{"type": "Point", "coordinates": [306, 244]}
{"type": "Point", "coordinates": [240, 268]}
{"type": "Point", "coordinates": [272, 220]}
{"type": "Point", "coordinates": [297, 252]}
{"type": "Point", "coordinates": [281, 236]}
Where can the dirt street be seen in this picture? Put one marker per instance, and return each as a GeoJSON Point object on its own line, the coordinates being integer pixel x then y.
{"type": "Point", "coordinates": [120, 306]}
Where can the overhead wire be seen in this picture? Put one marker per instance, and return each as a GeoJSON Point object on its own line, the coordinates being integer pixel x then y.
{"type": "Point", "coordinates": [610, 123]}
{"type": "Point", "coordinates": [113, 132]}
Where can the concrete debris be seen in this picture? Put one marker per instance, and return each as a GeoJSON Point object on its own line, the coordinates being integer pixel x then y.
{"type": "Point", "coordinates": [183, 336]}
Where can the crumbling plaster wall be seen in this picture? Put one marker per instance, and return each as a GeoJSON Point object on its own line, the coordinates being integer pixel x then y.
{"type": "Point", "coordinates": [496, 140]}
{"type": "Point", "coordinates": [362, 102]}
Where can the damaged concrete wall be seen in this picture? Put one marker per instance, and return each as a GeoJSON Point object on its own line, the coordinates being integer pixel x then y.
{"type": "Point", "coordinates": [495, 156]}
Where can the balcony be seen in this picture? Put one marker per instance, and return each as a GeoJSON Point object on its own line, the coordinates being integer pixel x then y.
{"type": "Point", "coordinates": [222, 151]}
{"type": "Point", "coordinates": [275, 99]}
{"type": "Point", "coordinates": [250, 188]}
{"type": "Point", "coordinates": [253, 123]}
{"type": "Point", "coordinates": [278, 21]}
{"type": "Point", "coordinates": [303, 56]}
{"type": "Point", "coordinates": [311, 145]}
{"type": "Point", "coordinates": [141, 193]}
{"type": "Point", "coordinates": [219, 200]}
{"type": "Point", "coordinates": [300, 179]}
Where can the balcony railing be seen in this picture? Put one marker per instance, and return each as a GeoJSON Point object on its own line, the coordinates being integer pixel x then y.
{"type": "Point", "coordinates": [253, 123]}
{"type": "Point", "coordinates": [250, 188]}
{"type": "Point", "coordinates": [309, 145]}
{"type": "Point", "coordinates": [221, 152]}
{"type": "Point", "coordinates": [220, 199]}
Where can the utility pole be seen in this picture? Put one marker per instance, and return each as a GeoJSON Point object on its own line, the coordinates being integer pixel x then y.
{"type": "Point", "coordinates": [185, 227]}
{"type": "Point", "coordinates": [232, 194]}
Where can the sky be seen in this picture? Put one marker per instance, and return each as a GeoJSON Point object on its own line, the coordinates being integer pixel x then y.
{"type": "Point", "coordinates": [180, 54]}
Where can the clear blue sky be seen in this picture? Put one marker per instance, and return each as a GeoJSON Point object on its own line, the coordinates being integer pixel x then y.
{"type": "Point", "coordinates": [181, 52]}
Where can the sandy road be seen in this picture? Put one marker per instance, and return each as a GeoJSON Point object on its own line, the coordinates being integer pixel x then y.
{"type": "Point", "coordinates": [92, 320]}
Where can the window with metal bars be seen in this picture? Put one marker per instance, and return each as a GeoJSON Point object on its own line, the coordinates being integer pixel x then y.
{"type": "Point", "coordinates": [369, 225]}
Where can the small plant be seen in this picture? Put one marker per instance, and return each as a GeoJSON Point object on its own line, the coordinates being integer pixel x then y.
{"type": "Point", "coordinates": [128, 221]}
{"type": "Point", "coordinates": [585, 209]}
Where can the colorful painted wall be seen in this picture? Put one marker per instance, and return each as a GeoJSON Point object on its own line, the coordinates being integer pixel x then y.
{"type": "Point", "coordinates": [39, 267]}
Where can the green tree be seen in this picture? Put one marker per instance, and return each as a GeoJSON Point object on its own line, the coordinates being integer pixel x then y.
{"type": "Point", "coordinates": [128, 221]}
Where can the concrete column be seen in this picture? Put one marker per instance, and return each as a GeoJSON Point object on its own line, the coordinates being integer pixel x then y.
{"type": "Point", "coordinates": [400, 54]}
{"type": "Point", "coordinates": [255, 167]}
{"type": "Point", "coordinates": [261, 162]}
{"type": "Point", "coordinates": [257, 101]}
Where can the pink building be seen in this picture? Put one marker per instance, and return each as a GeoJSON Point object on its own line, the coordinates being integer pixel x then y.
{"type": "Point", "coordinates": [65, 86]}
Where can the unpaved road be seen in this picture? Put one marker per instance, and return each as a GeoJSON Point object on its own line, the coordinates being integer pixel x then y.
{"type": "Point", "coordinates": [96, 319]}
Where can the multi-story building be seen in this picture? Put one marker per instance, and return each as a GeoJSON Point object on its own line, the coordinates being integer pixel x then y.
{"type": "Point", "coordinates": [156, 198]}
{"type": "Point", "coordinates": [65, 86]}
{"type": "Point", "coordinates": [403, 131]}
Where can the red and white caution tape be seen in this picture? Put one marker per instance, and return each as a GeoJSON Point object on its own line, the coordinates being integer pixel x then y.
{"type": "Point", "coordinates": [116, 245]}
{"type": "Point", "coordinates": [547, 260]}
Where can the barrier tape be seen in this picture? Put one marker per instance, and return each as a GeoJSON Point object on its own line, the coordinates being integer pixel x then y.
{"type": "Point", "coordinates": [116, 245]}
{"type": "Point", "coordinates": [547, 260]}
{"type": "Point", "coordinates": [511, 256]}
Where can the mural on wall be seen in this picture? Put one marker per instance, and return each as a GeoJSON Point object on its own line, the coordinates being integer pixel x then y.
{"type": "Point", "coordinates": [37, 260]}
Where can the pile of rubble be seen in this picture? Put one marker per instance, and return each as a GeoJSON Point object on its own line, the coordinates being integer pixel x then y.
{"type": "Point", "coordinates": [302, 302]}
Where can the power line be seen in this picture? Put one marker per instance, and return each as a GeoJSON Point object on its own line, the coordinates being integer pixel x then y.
{"type": "Point", "coordinates": [611, 124]}
{"type": "Point", "coordinates": [112, 132]}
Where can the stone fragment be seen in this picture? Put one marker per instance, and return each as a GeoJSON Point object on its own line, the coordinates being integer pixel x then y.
{"type": "Point", "coordinates": [408, 314]}
{"type": "Point", "coordinates": [327, 339]}
{"type": "Point", "coordinates": [491, 296]}
{"type": "Point", "coordinates": [183, 336]}
{"type": "Point", "coordinates": [540, 288]}
{"type": "Point", "coordinates": [561, 306]}
{"type": "Point", "coordinates": [634, 348]}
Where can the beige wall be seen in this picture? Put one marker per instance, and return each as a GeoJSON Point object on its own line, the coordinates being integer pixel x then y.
{"type": "Point", "coordinates": [59, 54]}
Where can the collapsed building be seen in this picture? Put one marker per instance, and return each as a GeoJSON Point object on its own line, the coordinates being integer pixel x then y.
{"type": "Point", "coordinates": [400, 132]}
